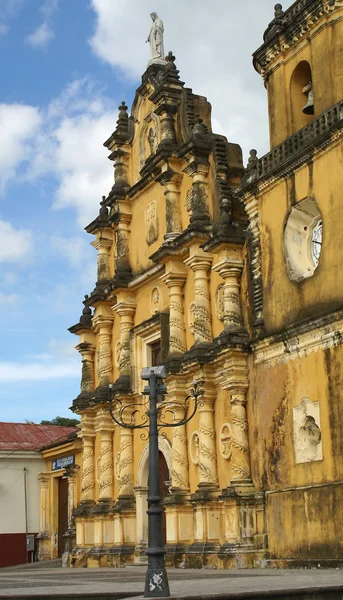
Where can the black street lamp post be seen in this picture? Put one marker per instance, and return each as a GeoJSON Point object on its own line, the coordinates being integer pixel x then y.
{"type": "Point", "coordinates": [152, 414]}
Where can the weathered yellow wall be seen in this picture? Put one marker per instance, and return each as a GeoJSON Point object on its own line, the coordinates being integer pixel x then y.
{"type": "Point", "coordinates": [285, 301]}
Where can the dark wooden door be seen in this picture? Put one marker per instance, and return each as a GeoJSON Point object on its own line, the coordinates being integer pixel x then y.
{"type": "Point", "coordinates": [62, 512]}
{"type": "Point", "coordinates": [164, 477]}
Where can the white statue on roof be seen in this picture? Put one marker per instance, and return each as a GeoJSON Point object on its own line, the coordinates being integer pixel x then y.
{"type": "Point", "coordinates": [155, 38]}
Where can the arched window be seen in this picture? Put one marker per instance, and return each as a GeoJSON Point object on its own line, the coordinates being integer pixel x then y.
{"type": "Point", "coordinates": [302, 95]}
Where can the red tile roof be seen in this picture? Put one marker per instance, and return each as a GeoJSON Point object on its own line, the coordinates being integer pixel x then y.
{"type": "Point", "coordinates": [24, 436]}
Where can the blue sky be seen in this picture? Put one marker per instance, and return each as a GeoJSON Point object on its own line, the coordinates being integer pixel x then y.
{"type": "Point", "coordinates": [65, 66]}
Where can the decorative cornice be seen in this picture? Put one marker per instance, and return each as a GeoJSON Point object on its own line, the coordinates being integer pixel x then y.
{"type": "Point", "coordinates": [294, 24]}
{"type": "Point", "coordinates": [295, 150]}
{"type": "Point", "coordinates": [300, 340]}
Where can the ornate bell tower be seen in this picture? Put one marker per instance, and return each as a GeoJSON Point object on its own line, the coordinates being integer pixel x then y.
{"type": "Point", "coordinates": [301, 64]}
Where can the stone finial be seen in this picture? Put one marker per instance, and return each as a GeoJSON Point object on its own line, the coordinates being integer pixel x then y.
{"type": "Point", "coordinates": [225, 215]}
{"type": "Point", "coordinates": [277, 25]}
{"type": "Point", "coordinates": [170, 60]}
{"type": "Point", "coordinates": [86, 317]}
{"type": "Point", "coordinates": [198, 127]}
{"type": "Point", "coordinates": [103, 212]}
{"type": "Point", "coordinates": [122, 129]}
{"type": "Point", "coordinates": [252, 161]}
{"type": "Point", "coordinates": [251, 171]}
{"type": "Point", "coordinates": [278, 12]}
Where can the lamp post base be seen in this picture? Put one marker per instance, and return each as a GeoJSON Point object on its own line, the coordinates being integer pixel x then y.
{"type": "Point", "coordinates": [156, 583]}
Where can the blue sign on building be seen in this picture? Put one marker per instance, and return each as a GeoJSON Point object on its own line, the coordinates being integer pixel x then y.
{"type": "Point", "coordinates": [61, 463]}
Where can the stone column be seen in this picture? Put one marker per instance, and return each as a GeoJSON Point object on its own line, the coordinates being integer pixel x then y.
{"type": "Point", "coordinates": [123, 268]}
{"type": "Point", "coordinates": [171, 181]}
{"type": "Point", "coordinates": [103, 246]}
{"type": "Point", "coordinates": [199, 194]}
{"type": "Point", "coordinates": [72, 498]}
{"type": "Point", "coordinates": [126, 312]}
{"type": "Point", "coordinates": [87, 478]}
{"type": "Point", "coordinates": [177, 330]}
{"type": "Point", "coordinates": [201, 264]}
{"type": "Point", "coordinates": [103, 327]}
{"type": "Point", "coordinates": [87, 352]}
{"type": "Point", "coordinates": [231, 271]}
{"type": "Point", "coordinates": [207, 441]}
{"type": "Point", "coordinates": [125, 464]}
{"type": "Point", "coordinates": [240, 456]}
{"type": "Point", "coordinates": [105, 427]}
{"type": "Point", "coordinates": [43, 479]}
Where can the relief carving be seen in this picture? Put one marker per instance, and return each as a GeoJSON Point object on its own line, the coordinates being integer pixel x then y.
{"type": "Point", "coordinates": [307, 434]}
{"type": "Point", "coordinates": [155, 300]}
{"type": "Point", "coordinates": [220, 302]}
{"type": "Point", "coordinates": [225, 441]}
{"type": "Point", "coordinates": [151, 223]}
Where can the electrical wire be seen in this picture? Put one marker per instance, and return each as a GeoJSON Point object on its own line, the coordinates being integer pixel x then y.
{"type": "Point", "coordinates": [11, 486]}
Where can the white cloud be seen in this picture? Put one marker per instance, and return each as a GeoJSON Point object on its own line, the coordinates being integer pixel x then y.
{"type": "Point", "coordinates": [16, 244]}
{"type": "Point", "coordinates": [62, 348]}
{"type": "Point", "coordinates": [9, 9]}
{"type": "Point", "coordinates": [8, 298]}
{"type": "Point", "coordinates": [15, 372]}
{"type": "Point", "coordinates": [44, 33]}
{"type": "Point", "coordinates": [213, 46]}
{"type": "Point", "coordinates": [18, 125]}
{"type": "Point", "coordinates": [72, 249]}
{"type": "Point", "coordinates": [41, 37]}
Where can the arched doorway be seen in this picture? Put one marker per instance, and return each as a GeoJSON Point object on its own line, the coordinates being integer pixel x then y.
{"type": "Point", "coordinates": [141, 490]}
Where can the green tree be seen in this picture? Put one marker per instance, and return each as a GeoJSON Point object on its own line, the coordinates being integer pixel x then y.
{"type": "Point", "coordinates": [62, 421]}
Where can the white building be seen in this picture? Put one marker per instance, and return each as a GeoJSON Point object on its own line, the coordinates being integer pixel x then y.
{"type": "Point", "coordinates": [20, 464]}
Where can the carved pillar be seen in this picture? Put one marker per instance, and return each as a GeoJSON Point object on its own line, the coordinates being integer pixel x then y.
{"type": "Point", "coordinates": [207, 441]}
{"type": "Point", "coordinates": [105, 427]}
{"type": "Point", "coordinates": [43, 479]}
{"type": "Point", "coordinates": [126, 311]}
{"type": "Point", "coordinates": [240, 457]}
{"type": "Point", "coordinates": [87, 478]}
{"type": "Point", "coordinates": [177, 330]}
{"type": "Point", "coordinates": [87, 352]}
{"type": "Point", "coordinates": [103, 246]}
{"type": "Point", "coordinates": [231, 272]}
{"type": "Point", "coordinates": [199, 198]}
{"type": "Point", "coordinates": [125, 464]}
{"type": "Point", "coordinates": [166, 113]}
{"type": "Point", "coordinates": [201, 264]}
{"type": "Point", "coordinates": [103, 327]}
{"type": "Point", "coordinates": [171, 181]}
{"type": "Point", "coordinates": [123, 268]}
{"type": "Point", "coordinates": [72, 497]}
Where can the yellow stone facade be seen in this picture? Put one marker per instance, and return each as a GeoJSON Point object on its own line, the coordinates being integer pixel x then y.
{"type": "Point", "coordinates": [214, 271]}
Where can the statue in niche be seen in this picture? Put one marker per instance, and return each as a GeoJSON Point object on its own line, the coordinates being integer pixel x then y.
{"type": "Point", "coordinates": [195, 447]}
{"type": "Point", "coordinates": [152, 140]}
{"type": "Point", "coordinates": [309, 438]}
{"type": "Point", "coordinates": [308, 444]}
{"type": "Point", "coordinates": [155, 37]}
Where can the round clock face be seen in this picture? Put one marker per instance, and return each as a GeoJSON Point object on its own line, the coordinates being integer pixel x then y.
{"type": "Point", "coordinates": [316, 241]}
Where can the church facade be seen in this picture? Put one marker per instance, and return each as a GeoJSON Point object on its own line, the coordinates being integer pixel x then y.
{"type": "Point", "coordinates": [231, 276]}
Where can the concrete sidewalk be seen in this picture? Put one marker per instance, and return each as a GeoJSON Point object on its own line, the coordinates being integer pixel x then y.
{"type": "Point", "coordinates": [58, 583]}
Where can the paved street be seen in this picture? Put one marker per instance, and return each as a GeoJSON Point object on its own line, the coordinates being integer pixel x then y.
{"type": "Point", "coordinates": [120, 583]}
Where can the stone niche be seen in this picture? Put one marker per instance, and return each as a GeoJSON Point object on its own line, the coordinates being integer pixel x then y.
{"type": "Point", "coordinates": [307, 434]}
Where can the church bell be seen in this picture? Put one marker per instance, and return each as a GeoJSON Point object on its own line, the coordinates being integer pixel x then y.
{"type": "Point", "coordinates": [309, 106]}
